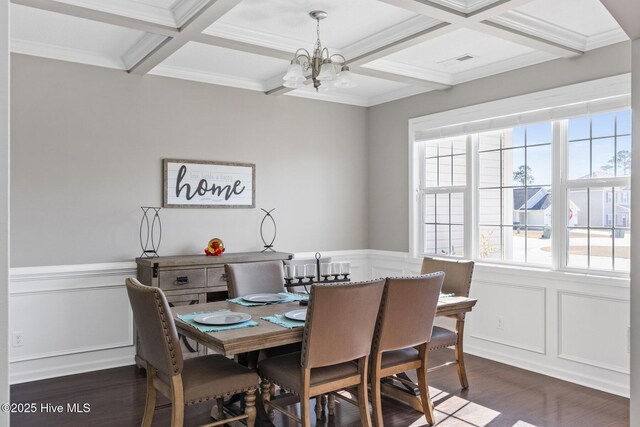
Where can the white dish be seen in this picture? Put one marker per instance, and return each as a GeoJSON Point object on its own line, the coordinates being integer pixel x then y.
{"type": "Point", "coordinates": [300, 314]}
{"type": "Point", "coordinates": [222, 318]}
{"type": "Point", "coordinates": [265, 298]}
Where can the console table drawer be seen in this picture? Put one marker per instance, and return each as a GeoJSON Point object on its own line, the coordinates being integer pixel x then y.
{"type": "Point", "coordinates": [181, 279]}
{"type": "Point", "coordinates": [216, 279]}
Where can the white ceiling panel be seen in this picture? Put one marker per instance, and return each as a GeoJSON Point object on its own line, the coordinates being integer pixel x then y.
{"type": "Point", "coordinates": [286, 24]}
{"type": "Point", "coordinates": [165, 12]}
{"type": "Point", "coordinates": [437, 59]}
{"type": "Point", "coordinates": [222, 66]}
{"type": "Point", "coordinates": [53, 35]}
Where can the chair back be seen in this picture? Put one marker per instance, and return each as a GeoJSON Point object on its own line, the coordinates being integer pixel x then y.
{"type": "Point", "coordinates": [407, 312]}
{"type": "Point", "coordinates": [340, 322]}
{"type": "Point", "coordinates": [457, 274]}
{"type": "Point", "coordinates": [254, 277]}
{"type": "Point", "coordinates": [158, 339]}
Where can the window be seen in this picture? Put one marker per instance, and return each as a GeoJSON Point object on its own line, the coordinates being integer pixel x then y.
{"type": "Point", "coordinates": [443, 194]}
{"type": "Point", "coordinates": [598, 186]}
{"type": "Point", "coordinates": [514, 194]}
{"type": "Point", "coordinates": [505, 184]}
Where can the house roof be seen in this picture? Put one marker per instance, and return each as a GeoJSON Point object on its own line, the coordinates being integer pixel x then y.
{"type": "Point", "coordinates": [538, 198]}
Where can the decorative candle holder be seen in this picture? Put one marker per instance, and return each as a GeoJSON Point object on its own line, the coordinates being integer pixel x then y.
{"type": "Point", "coordinates": [150, 231]}
{"type": "Point", "coordinates": [307, 274]}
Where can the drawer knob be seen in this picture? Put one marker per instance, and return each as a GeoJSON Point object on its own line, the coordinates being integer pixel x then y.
{"type": "Point", "coordinates": [182, 280]}
{"type": "Point", "coordinates": [223, 277]}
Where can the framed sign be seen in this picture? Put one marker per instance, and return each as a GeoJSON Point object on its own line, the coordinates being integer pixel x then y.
{"type": "Point", "coordinates": [203, 184]}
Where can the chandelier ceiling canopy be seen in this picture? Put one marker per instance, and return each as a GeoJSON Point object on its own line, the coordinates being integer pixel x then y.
{"type": "Point", "coordinates": [327, 71]}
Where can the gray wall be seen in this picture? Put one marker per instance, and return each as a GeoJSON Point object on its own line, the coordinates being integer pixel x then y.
{"type": "Point", "coordinates": [388, 129]}
{"type": "Point", "coordinates": [635, 243]}
{"type": "Point", "coordinates": [87, 149]}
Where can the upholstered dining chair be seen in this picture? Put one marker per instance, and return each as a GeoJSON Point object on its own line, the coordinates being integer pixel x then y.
{"type": "Point", "coordinates": [184, 382]}
{"type": "Point", "coordinates": [254, 277]}
{"type": "Point", "coordinates": [402, 335]}
{"type": "Point", "coordinates": [457, 280]}
{"type": "Point", "coordinates": [335, 349]}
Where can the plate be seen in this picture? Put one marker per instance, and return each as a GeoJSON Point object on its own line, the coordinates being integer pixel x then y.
{"type": "Point", "coordinates": [222, 318]}
{"type": "Point", "coordinates": [264, 298]}
{"type": "Point", "coordinates": [300, 315]}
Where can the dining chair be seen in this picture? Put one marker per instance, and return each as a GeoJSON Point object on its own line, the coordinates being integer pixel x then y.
{"type": "Point", "coordinates": [402, 335]}
{"type": "Point", "coordinates": [184, 382]}
{"type": "Point", "coordinates": [457, 280]}
{"type": "Point", "coordinates": [335, 348]}
{"type": "Point", "coordinates": [254, 277]}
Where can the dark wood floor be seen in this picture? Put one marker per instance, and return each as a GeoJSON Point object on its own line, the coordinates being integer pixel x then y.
{"type": "Point", "coordinates": [499, 395]}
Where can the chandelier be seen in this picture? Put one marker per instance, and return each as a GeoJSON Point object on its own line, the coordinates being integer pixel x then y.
{"type": "Point", "coordinates": [322, 65]}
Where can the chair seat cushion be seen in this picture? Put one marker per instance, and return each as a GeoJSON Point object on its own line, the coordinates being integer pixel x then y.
{"type": "Point", "coordinates": [442, 337]}
{"type": "Point", "coordinates": [286, 371]}
{"type": "Point", "coordinates": [213, 376]}
{"type": "Point", "coordinates": [399, 357]}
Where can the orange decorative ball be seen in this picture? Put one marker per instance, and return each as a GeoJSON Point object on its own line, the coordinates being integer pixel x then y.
{"type": "Point", "coordinates": [215, 247]}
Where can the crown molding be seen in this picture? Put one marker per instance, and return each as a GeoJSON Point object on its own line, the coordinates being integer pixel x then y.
{"type": "Point", "coordinates": [339, 97]}
{"type": "Point", "coordinates": [397, 94]}
{"type": "Point", "coordinates": [185, 9]}
{"type": "Point", "coordinates": [542, 29]}
{"type": "Point", "coordinates": [606, 38]}
{"type": "Point", "coordinates": [466, 6]}
{"type": "Point", "coordinates": [65, 54]}
{"type": "Point", "coordinates": [141, 48]}
{"type": "Point", "coordinates": [207, 77]}
{"type": "Point", "coordinates": [132, 9]}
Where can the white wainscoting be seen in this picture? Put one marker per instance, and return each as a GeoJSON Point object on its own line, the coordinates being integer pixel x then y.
{"type": "Point", "coordinates": [575, 327]}
{"type": "Point", "coordinates": [76, 318]}
{"type": "Point", "coordinates": [569, 326]}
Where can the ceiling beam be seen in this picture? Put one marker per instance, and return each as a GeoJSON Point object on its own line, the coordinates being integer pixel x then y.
{"type": "Point", "coordinates": [243, 46]}
{"type": "Point", "coordinates": [206, 16]}
{"type": "Point", "coordinates": [99, 16]}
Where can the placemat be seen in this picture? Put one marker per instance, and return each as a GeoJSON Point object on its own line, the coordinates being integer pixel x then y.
{"type": "Point", "coordinates": [290, 298]}
{"type": "Point", "coordinates": [281, 320]}
{"type": "Point", "coordinates": [188, 318]}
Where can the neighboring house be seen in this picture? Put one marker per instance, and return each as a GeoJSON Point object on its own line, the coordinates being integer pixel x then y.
{"type": "Point", "coordinates": [532, 206]}
{"type": "Point", "coordinates": [607, 208]}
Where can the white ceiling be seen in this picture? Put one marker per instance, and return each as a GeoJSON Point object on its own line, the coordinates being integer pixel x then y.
{"type": "Point", "coordinates": [396, 48]}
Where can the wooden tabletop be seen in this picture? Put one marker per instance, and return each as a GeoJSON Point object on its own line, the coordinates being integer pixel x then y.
{"type": "Point", "coordinates": [268, 334]}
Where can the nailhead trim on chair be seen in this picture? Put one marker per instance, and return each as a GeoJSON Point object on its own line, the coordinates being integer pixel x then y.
{"type": "Point", "coordinates": [165, 328]}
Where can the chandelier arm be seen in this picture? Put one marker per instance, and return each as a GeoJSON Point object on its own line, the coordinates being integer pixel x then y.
{"type": "Point", "coordinates": [322, 54]}
{"type": "Point", "coordinates": [344, 60]}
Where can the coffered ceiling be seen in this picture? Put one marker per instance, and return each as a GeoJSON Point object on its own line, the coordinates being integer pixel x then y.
{"type": "Point", "coordinates": [396, 48]}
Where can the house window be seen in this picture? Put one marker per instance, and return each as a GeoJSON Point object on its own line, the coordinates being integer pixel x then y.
{"type": "Point", "coordinates": [598, 172]}
{"type": "Point", "coordinates": [514, 194]}
{"type": "Point", "coordinates": [443, 188]}
{"type": "Point", "coordinates": [494, 193]}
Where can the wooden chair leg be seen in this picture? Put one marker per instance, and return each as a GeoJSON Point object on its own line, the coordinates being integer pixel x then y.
{"type": "Point", "coordinates": [305, 414]}
{"type": "Point", "coordinates": [177, 401]}
{"type": "Point", "coordinates": [423, 385]}
{"type": "Point", "coordinates": [266, 393]}
{"type": "Point", "coordinates": [363, 399]}
{"type": "Point", "coordinates": [376, 393]}
{"type": "Point", "coordinates": [318, 407]}
{"type": "Point", "coordinates": [331, 405]}
{"type": "Point", "coordinates": [459, 353]}
{"type": "Point", "coordinates": [250, 407]}
{"type": "Point", "coordinates": [150, 405]}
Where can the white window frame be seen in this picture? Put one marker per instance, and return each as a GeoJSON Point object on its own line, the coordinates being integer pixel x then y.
{"type": "Point", "coordinates": [553, 105]}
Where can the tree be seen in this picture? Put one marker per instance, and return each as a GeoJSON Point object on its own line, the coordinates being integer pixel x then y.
{"type": "Point", "coordinates": [622, 160]}
{"type": "Point", "coordinates": [523, 175]}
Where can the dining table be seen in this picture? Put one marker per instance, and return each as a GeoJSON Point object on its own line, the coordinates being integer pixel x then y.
{"type": "Point", "coordinates": [267, 334]}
